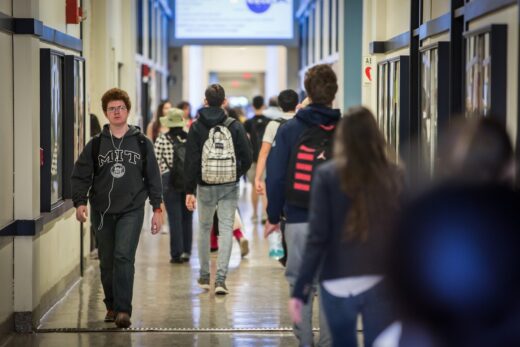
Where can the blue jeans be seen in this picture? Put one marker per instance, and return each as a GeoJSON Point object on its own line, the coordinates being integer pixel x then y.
{"type": "Point", "coordinates": [179, 218]}
{"type": "Point", "coordinates": [223, 198]}
{"type": "Point", "coordinates": [376, 313]}
{"type": "Point", "coordinates": [296, 237]}
{"type": "Point", "coordinates": [117, 243]}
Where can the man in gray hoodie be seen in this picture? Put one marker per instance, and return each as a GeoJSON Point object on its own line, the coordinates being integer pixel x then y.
{"type": "Point", "coordinates": [117, 171]}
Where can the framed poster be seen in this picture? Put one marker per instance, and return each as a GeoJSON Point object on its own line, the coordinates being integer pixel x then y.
{"type": "Point", "coordinates": [486, 72]}
{"type": "Point", "coordinates": [434, 101]}
{"type": "Point", "coordinates": [74, 118]}
{"type": "Point", "coordinates": [51, 128]}
{"type": "Point", "coordinates": [393, 101]}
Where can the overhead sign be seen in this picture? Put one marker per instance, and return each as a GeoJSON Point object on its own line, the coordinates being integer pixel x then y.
{"type": "Point", "coordinates": [234, 21]}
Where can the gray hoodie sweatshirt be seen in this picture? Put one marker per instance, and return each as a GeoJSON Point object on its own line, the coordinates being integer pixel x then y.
{"type": "Point", "coordinates": [121, 167]}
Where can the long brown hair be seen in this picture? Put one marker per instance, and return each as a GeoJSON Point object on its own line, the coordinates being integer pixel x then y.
{"type": "Point", "coordinates": [367, 175]}
{"type": "Point", "coordinates": [156, 122]}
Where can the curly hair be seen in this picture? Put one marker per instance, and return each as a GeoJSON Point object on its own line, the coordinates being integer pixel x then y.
{"type": "Point", "coordinates": [113, 95]}
{"type": "Point", "coordinates": [321, 84]}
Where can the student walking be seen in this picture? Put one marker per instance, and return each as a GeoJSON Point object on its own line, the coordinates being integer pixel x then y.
{"type": "Point", "coordinates": [300, 145]}
{"type": "Point", "coordinates": [170, 150]}
{"type": "Point", "coordinates": [117, 171]}
{"type": "Point", "coordinates": [362, 184]}
{"type": "Point", "coordinates": [217, 154]}
{"type": "Point", "coordinates": [255, 128]}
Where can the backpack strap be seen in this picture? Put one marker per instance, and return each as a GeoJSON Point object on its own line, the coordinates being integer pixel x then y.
{"type": "Point", "coordinates": [228, 121]}
{"type": "Point", "coordinates": [141, 140]}
{"type": "Point", "coordinates": [96, 143]}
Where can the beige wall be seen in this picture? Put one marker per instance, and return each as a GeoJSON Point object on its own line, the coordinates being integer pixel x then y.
{"type": "Point", "coordinates": [382, 20]}
{"type": "Point", "coordinates": [397, 17]}
{"type": "Point", "coordinates": [108, 23]}
{"type": "Point", "coordinates": [435, 8]}
{"type": "Point", "coordinates": [6, 280]}
{"type": "Point", "coordinates": [6, 130]}
{"type": "Point", "coordinates": [507, 16]}
{"type": "Point", "coordinates": [52, 14]}
{"type": "Point", "coordinates": [56, 253]}
{"type": "Point", "coordinates": [6, 6]}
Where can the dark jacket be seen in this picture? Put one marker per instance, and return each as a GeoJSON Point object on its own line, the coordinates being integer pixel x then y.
{"type": "Point", "coordinates": [130, 190]}
{"type": "Point", "coordinates": [198, 134]}
{"type": "Point", "coordinates": [284, 143]}
{"type": "Point", "coordinates": [325, 242]}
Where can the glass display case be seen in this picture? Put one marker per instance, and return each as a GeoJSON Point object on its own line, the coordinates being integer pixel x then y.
{"type": "Point", "coordinates": [392, 101]}
{"type": "Point", "coordinates": [434, 101]}
{"type": "Point", "coordinates": [486, 72]}
{"type": "Point", "coordinates": [51, 128]}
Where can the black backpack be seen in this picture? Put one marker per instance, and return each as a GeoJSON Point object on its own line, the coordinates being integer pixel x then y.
{"type": "Point", "coordinates": [96, 143]}
{"type": "Point", "coordinates": [313, 148]}
{"type": "Point", "coordinates": [177, 169]}
{"type": "Point", "coordinates": [258, 125]}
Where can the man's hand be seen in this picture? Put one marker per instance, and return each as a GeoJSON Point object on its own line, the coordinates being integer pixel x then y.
{"type": "Point", "coordinates": [295, 310]}
{"type": "Point", "coordinates": [259, 186]}
{"type": "Point", "coordinates": [81, 213]}
{"type": "Point", "coordinates": [156, 222]}
{"type": "Point", "coordinates": [269, 228]}
{"type": "Point", "coordinates": [191, 202]}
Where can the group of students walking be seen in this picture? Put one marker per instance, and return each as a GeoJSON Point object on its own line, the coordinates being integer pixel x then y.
{"type": "Point", "coordinates": [328, 181]}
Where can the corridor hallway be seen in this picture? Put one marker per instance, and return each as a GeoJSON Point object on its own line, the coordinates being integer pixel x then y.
{"type": "Point", "coordinates": [169, 309]}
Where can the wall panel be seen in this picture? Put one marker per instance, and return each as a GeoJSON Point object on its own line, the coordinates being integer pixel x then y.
{"type": "Point", "coordinates": [6, 130]}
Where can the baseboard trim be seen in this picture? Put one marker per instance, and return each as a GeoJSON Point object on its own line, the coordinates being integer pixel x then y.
{"type": "Point", "coordinates": [6, 327]}
{"type": "Point", "coordinates": [53, 295]}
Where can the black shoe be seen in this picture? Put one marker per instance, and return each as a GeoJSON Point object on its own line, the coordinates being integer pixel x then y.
{"type": "Point", "coordinates": [203, 283]}
{"type": "Point", "coordinates": [110, 317]}
{"type": "Point", "coordinates": [185, 257]}
{"type": "Point", "coordinates": [176, 260]}
{"type": "Point", "coordinates": [123, 320]}
{"type": "Point", "coordinates": [213, 250]}
{"type": "Point", "coordinates": [220, 288]}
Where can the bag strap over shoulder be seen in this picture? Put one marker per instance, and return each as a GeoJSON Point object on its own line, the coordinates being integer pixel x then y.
{"type": "Point", "coordinates": [228, 121]}
{"type": "Point", "coordinates": [96, 143]}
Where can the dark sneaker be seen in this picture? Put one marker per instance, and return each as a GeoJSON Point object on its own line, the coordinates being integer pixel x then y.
{"type": "Point", "coordinates": [244, 246]}
{"type": "Point", "coordinates": [176, 260]}
{"type": "Point", "coordinates": [203, 283]}
{"type": "Point", "coordinates": [185, 257]}
{"type": "Point", "coordinates": [110, 317]}
{"type": "Point", "coordinates": [220, 288]}
{"type": "Point", "coordinates": [123, 320]}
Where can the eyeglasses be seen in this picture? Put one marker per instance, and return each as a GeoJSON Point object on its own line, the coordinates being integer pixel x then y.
{"type": "Point", "coordinates": [118, 108]}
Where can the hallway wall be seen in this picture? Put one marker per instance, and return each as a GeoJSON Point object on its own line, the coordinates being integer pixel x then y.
{"type": "Point", "coordinates": [40, 247]}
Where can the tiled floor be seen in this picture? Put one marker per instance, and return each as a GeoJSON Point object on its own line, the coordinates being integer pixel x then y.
{"type": "Point", "coordinates": [166, 296]}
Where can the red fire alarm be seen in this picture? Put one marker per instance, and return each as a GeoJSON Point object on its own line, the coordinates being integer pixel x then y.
{"type": "Point", "coordinates": [73, 12]}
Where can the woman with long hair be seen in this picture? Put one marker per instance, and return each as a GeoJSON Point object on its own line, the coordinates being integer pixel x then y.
{"type": "Point", "coordinates": [348, 231]}
{"type": "Point", "coordinates": [154, 128]}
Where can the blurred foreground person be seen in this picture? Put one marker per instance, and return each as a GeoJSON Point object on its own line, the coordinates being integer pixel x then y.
{"type": "Point", "coordinates": [348, 230]}
{"type": "Point", "coordinates": [455, 260]}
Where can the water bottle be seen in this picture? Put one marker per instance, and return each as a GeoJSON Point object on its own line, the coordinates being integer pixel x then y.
{"type": "Point", "coordinates": [275, 245]}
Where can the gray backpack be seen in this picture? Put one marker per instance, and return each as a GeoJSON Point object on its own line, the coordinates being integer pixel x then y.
{"type": "Point", "coordinates": [218, 155]}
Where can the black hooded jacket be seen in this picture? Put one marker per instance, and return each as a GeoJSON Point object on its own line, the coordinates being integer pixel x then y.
{"type": "Point", "coordinates": [199, 131]}
{"type": "Point", "coordinates": [129, 189]}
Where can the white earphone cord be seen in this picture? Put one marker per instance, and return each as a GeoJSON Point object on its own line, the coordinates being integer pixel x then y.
{"type": "Point", "coordinates": [113, 179]}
